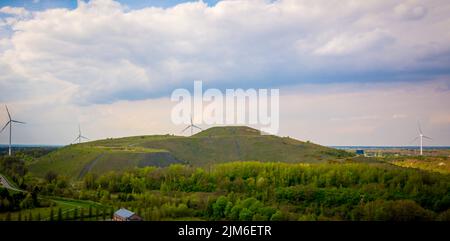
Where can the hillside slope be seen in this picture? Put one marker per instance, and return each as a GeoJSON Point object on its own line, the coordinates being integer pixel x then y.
{"type": "Point", "coordinates": [214, 145]}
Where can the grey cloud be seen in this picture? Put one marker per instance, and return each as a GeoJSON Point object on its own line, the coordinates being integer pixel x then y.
{"type": "Point", "coordinates": [410, 12]}
{"type": "Point", "coordinates": [102, 52]}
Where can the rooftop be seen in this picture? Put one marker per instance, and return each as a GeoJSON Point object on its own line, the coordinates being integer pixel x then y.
{"type": "Point", "coordinates": [125, 213]}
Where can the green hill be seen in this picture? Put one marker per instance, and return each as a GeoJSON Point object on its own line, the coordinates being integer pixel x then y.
{"type": "Point", "coordinates": [228, 131]}
{"type": "Point", "coordinates": [214, 145]}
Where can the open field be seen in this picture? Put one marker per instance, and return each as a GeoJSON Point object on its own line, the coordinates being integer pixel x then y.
{"type": "Point", "coordinates": [374, 151]}
{"type": "Point", "coordinates": [433, 159]}
{"type": "Point", "coordinates": [77, 160]}
{"type": "Point", "coordinates": [435, 164]}
{"type": "Point", "coordinates": [67, 207]}
{"type": "Point", "coordinates": [215, 145]}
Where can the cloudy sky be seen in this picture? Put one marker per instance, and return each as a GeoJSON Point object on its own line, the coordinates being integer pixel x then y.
{"type": "Point", "coordinates": [349, 72]}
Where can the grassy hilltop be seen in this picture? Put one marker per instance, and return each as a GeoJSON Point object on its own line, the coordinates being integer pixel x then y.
{"type": "Point", "coordinates": [214, 145]}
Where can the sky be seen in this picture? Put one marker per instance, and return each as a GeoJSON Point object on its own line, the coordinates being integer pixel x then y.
{"type": "Point", "coordinates": [349, 72]}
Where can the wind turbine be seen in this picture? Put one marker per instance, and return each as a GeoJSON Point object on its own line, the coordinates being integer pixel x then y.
{"type": "Point", "coordinates": [10, 123]}
{"type": "Point", "coordinates": [80, 136]}
{"type": "Point", "coordinates": [192, 126]}
{"type": "Point", "coordinates": [421, 136]}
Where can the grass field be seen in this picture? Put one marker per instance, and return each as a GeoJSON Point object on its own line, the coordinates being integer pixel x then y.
{"type": "Point", "coordinates": [433, 163]}
{"type": "Point", "coordinates": [76, 160]}
{"type": "Point", "coordinates": [67, 206]}
{"type": "Point", "coordinates": [215, 145]}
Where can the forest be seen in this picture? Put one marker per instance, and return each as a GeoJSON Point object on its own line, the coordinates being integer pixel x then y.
{"type": "Point", "coordinates": [242, 191]}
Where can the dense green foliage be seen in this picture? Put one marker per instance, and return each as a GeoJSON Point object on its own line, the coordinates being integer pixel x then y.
{"type": "Point", "coordinates": [198, 178]}
{"type": "Point", "coordinates": [272, 191]}
{"type": "Point", "coordinates": [11, 201]}
{"type": "Point", "coordinates": [14, 168]}
{"type": "Point", "coordinates": [28, 153]}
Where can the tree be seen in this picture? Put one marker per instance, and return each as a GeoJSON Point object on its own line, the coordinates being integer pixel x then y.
{"type": "Point", "coordinates": [81, 214]}
{"type": "Point", "coordinates": [51, 176]}
{"type": "Point", "coordinates": [259, 217]}
{"type": "Point", "coordinates": [104, 213]}
{"type": "Point", "coordinates": [75, 214]}
{"type": "Point", "coordinates": [97, 213]}
{"type": "Point", "coordinates": [51, 214]}
{"type": "Point", "coordinates": [60, 214]}
{"type": "Point", "coordinates": [89, 181]}
{"type": "Point", "coordinates": [14, 167]}
{"type": "Point", "coordinates": [27, 202]}
{"type": "Point", "coordinates": [90, 211]}
{"type": "Point", "coordinates": [278, 216]}
{"type": "Point", "coordinates": [111, 214]}
{"type": "Point", "coordinates": [218, 208]}
{"type": "Point", "coordinates": [5, 204]}
{"type": "Point", "coordinates": [67, 215]}
{"type": "Point", "coordinates": [155, 214]}
{"type": "Point", "coordinates": [245, 215]}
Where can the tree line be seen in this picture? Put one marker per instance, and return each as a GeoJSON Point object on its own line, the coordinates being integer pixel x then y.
{"type": "Point", "coordinates": [252, 191]}
{"type": "Point", "coordinates": [273, 191]}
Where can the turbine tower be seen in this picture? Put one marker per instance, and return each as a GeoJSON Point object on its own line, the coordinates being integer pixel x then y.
{"type": "Point", "coordinates": [192, 126]}
{"type": "Point", "coordinates": [420, 136]}
{"type": "Point", "coordinates": [80, 136]}
{"type": "Point", "coordinates": [10, 123]}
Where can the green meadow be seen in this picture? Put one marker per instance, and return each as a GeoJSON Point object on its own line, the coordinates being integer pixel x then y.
{"type": "Point", "coordinates": [60, 209]}
{"type": "Point", "coordinates": [215, 145]}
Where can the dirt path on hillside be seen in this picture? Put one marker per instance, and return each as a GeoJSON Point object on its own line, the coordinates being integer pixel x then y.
{"type": "Point", "coordinates": [87, 168]}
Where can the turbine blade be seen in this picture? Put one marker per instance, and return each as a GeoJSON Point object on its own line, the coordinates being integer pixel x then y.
{"type": "Point", "coordinates": [20, 122]}
{"type": "Point", "coordinates": [9, 115]}
{"type": "Point", "coordinates": [76, 139]}
{"type": "Point", "coordinates": [84, 137]}
{"type": "Point", "coordinates": [5, 126]}
{"type": "Point", "coordinates": [427, 137]}
{"type": "Point", "coordinates": [415, 139]}
{"type": "Point", "coordinates": [197, 127]}
{"type": "Point", "coordinates": [419, 127]}
{"type": "Point", "coordinates": [187, 127]}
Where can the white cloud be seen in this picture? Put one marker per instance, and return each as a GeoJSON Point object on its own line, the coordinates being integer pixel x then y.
{"type": "Point", "coordinates": [102, 63]}
{"type": "Point", "coordinates": [57, 123]}
{"type": "Point", "coordinates": [349, 44]}
{"type": "Point", "coordinates": [366, 114]}
{"type": "Point", "coordinates": [340, 114]}
{"type": "Point", "coordinates": [104, 52]}
{"type": "Point", "coordinates": [14, 11]}
{"type": "Point", "coordinates": [409, 12]}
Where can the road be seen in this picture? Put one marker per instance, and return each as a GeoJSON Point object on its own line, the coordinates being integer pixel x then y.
{"type": "Point", "coordinates": [4, 183]}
